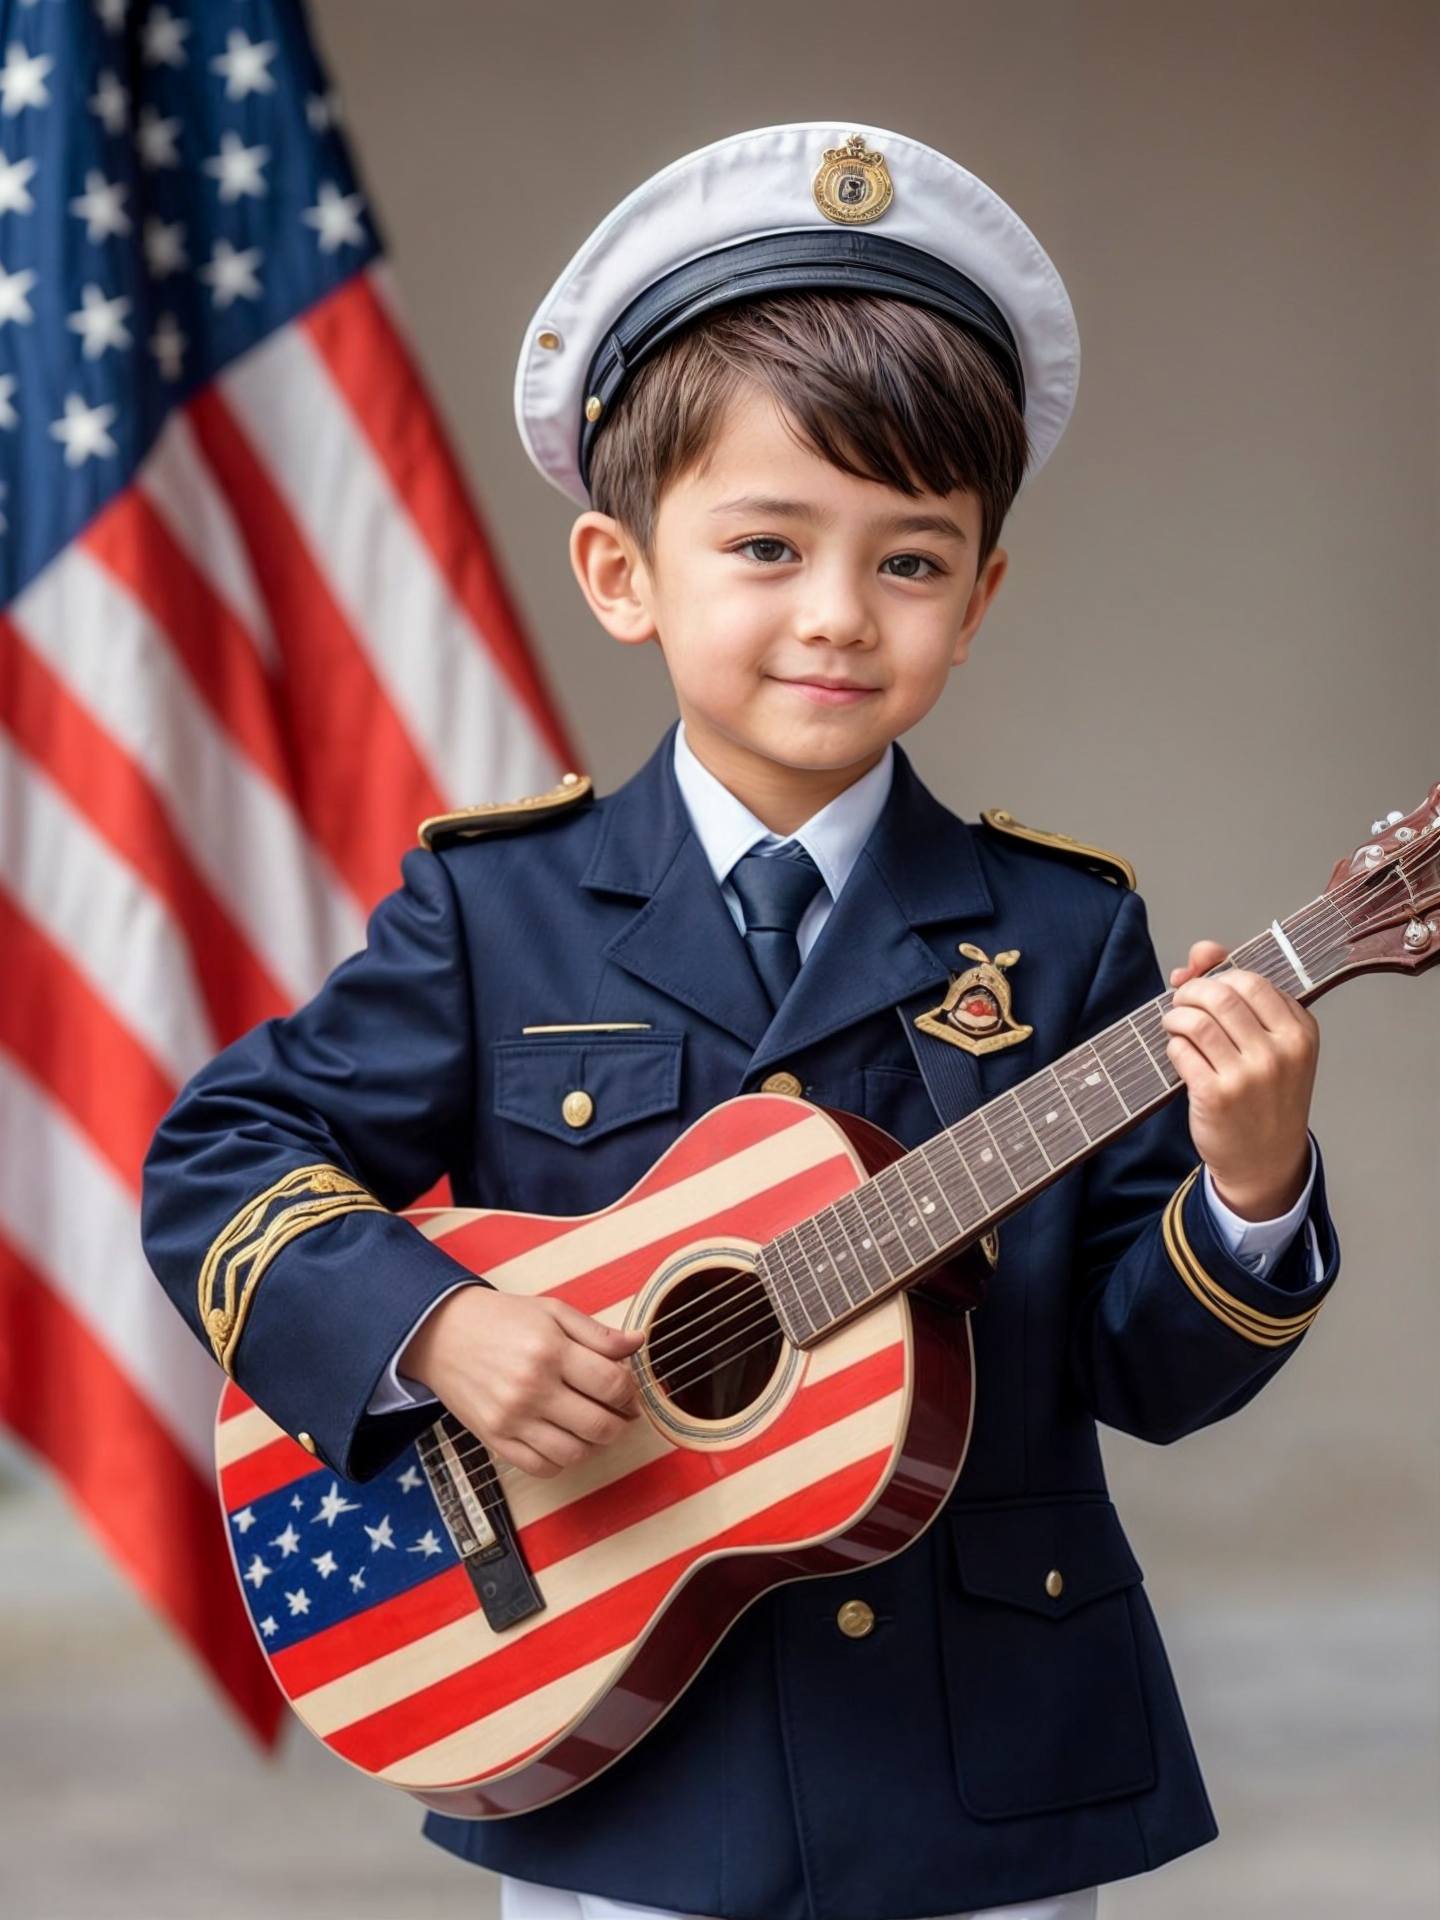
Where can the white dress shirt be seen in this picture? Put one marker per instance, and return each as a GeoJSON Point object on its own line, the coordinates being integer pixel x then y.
{"type": "Point", "coordinates": [834, 837]}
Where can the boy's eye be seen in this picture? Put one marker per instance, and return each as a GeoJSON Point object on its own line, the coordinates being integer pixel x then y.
{"type": "Point", "coordinates": [909, 562]}
{"type": "Point", "coordinates": [764, 543]}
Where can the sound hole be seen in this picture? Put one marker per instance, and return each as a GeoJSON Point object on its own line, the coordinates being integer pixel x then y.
{"type": "Point", "coordinates": [715, 1342]}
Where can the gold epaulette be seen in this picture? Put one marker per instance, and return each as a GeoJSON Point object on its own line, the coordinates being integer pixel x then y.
{"type": "Point", "coordinates": [244, 1247]}
{"type": "Point", "coordinates": [1111, 866]}
{"type": "Point", "coordinates": [494, 816]}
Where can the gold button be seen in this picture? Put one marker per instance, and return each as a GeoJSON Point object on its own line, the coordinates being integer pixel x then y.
{"type": "Point", "coordinates": [594, 407]}
{"type": "Point", "coordinates": [307, 1441]}
{"type": "Point", "coordinates": [855, 1619]}
{"type": "Point", "coordinates": [578, 1108]}
{"type": "Point", "coordinates": [781, 1082]}
{"type": "Point", "coordinates": [1054, 1583]}
{"type": "Point", "coordinates": [548, 339]}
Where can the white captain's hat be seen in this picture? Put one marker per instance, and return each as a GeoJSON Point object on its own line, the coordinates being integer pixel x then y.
{"type": "Point", "coordinates": [817, 205]}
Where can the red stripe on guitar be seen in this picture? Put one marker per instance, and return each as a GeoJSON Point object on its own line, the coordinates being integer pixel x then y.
{"type": "Point", "coordinates": [271, 1466]}
{"type": "Point", "coordinates": [602, 1624]}
{"type": "Point", "coordinates": [678, 1474]}
{"type": "Point", "coordinates": [338, 1650]}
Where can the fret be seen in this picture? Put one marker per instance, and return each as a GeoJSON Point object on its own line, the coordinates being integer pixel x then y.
{"type": "Point", "coordinates": [879, 1235]}
{"type": "Point", "coordinates": [1017, 1140]}
{"type": "Point", "coordinates": [1131, 1070]}
{"type": "Point", "coordinates": [1052, 1119]}
{"type": "Point", "coordinates": [984, 1160]}
{"type": "Point", "coordinates": [925, 1184]}
{"type": "Point", "coordinates": [842, 1256]}
{"type": "Point", "coordinates": [786, 1250]}
{"type": "Point", "coordinates": [1149, 1030]}
{"type": "Point", "coordinates": [875, 1274]}
{"type": "Point", "coordinates": [962, 1195]}
{"type": "Point", "coordinates": [837, 1301]}
{"type": "Point", "coordinates": [1091, 1092]}
{"type": "Point", "coordinates": [915, 1236]}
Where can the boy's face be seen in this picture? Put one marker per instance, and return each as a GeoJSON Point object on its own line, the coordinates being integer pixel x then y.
{"type": "Point", "coordinates": [807, 616]}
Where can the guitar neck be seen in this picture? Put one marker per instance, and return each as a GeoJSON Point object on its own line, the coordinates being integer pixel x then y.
{"type": "Point", "coordinates": [926, 1206]}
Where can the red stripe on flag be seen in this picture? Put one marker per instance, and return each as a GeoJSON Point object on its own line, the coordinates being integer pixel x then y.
{"type": "Point", "coordinates": [368, 783]}
{"type": "Point", "coordinates": [61, 1393]}
{"type": "Point", "coordinates": [602, 1624]}
{"type": "Point", "coordinates": [120, 803]}
{"type": "Point", "coordinates": [71, 1043]}
{"type": "Point", "coordinates": [371, 363]}
{"type": "Point", "coordinates": [270, 1467]}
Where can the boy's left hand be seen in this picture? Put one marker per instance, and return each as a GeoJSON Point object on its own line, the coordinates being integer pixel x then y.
{"type": "Point", "coordinates": [1247, 1052]}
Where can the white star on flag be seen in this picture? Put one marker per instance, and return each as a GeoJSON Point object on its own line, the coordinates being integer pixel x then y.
{"type": "Point", "coordinates": [8, 416]}
{"type": "Point", "coordinates": [243, 1520]}
{"type": "Point", "coordinates": [336, 217]}
{"type": "Point", "coordinates": [426, 1544]}
{"type": "Point", "coordinates": [333, 1504]}
{"type": "Point", "coordinates": [288, 1541]}
{"type": "Point", "coordinates": [245, 66]}
{"type": "Point", "coordinates": [409, 1479]}
{"type": "Point", "coordinates": [110, 102]}
{"type": "Point", "coordinates": [99, 206]}
{"type": "Point", "coordinates": [111, 14]}
{"type": "Point", "coordinates": [257, 1573]}
{"type": "Point", "coordinates": [231, 275]}
{"type": "Point", "coordinates": [84, 430]}
{"type": "Point", "coordinates": [163, 39]}
{"type": "Point", "coordinates": [269, 1626]}
{"type": "Point", "coordinates": [164, 243]}
{"type": "Point", "coordinates": [14, 287]}
{"type": "Point", "coordinates": [295, 1499]}
{"type": "Point", "coordinates": [322, 110]}
{"type": "Point", "coordinates": [237, 168]}
{"type": "Point", "coordinates": [100, 321]}
{"type": "Point", "coordinates": [155, 138]}
{"type": "Point", "coordinates": [22, 80]}
{"type": "Point", "coordinates": [380, 1536]}
{"type": "Point", "coordinates": [357, 1580]}
{"type": "Point", "coordinates": [14, 189]}
{"type": "Point", "coordinates": [325, 1564]}
{"type": "Point", "coordinates": [168, 345]}
{"type": "Point", "coordinates": [299, 1602]}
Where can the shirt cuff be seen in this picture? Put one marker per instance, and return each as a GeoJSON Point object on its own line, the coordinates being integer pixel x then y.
{"type": "Point", "coordinates": [395, 1391]}
{"type": "Point", "coordinates": [1258, 1244]}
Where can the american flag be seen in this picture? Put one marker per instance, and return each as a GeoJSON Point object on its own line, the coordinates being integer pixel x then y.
{"type": "Point", "coordinates": [251, 635]}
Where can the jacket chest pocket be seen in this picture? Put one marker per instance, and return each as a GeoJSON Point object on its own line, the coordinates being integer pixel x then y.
{"type": "Point", "coordinates": [1042, 1670]}
{"type": "Point", "coordinates": [584, 1117]}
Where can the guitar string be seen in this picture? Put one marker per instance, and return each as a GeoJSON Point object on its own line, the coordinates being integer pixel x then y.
{"type": "Point", "coordinates": [1312, 911]}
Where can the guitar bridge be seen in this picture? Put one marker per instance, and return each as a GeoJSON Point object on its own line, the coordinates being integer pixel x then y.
{"type": "Point", "coordinates": [463, 1480]}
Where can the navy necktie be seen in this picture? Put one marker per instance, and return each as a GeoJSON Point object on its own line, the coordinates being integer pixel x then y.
{"type": "Point", "coordinates": [774, 891]}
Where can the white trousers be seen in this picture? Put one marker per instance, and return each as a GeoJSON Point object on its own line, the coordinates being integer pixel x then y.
{"type": "Point", "coordinates": [524, 1900]}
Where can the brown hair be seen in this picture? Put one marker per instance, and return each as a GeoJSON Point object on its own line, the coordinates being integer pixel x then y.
{"type": "Point", "coordinates": [878, 387]}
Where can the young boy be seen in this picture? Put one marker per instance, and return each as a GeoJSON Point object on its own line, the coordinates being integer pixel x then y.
{"type": "Point", "coordinates": [794, 382]}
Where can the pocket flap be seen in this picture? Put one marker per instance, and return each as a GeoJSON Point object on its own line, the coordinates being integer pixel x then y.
{"type": "Point", "coordinates": [1009, 1554]}
{"type": "Point", "coordinates": [626, 1077]}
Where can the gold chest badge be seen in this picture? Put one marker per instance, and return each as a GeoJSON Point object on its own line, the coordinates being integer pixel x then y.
{"type": "Point", "coordinates": [853, 185]}
{"type": "Point", "coordinates": [975, 1014]}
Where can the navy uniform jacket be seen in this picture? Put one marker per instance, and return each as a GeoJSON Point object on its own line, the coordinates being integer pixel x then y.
{"type": "Point", "coordinates": [986, 1742]}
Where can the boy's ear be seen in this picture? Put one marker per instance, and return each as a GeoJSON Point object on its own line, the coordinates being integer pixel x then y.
{"type": "Point", "coordinates": [984, 591]}
{"type": "Point", "coordinates": [612, 576]}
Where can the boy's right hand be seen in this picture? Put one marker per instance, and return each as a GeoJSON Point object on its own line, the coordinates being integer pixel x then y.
{"type": "Point", "coordinates": [541, 1383]}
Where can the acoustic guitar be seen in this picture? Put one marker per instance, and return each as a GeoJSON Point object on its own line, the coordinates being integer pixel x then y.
{"type": "Point", "coordinates": [489, 1640]}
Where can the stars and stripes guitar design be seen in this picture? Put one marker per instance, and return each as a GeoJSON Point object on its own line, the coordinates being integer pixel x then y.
{"type": "Point", "coordinates": [488, 1640]}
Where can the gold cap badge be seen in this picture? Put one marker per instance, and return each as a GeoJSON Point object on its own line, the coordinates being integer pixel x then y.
{"type": "Point", "coordinates": [853, 185]}
{"type": "Point", "coordinates": [975, 1014]}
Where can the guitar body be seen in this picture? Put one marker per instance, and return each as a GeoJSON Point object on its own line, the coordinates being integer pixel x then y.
{"type": "Point", "coordinates": [753, 1462]}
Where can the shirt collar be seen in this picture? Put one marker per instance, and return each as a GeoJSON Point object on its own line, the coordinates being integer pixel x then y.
{"type": "Point", "coordinates": [833, 837]}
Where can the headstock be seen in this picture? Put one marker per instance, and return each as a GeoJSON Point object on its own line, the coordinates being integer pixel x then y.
{"type": "Point", "coordinates": [1387, 894]}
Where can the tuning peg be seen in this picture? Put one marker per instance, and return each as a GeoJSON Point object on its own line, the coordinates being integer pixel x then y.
{"type": "Point", "coordinates": [1378, 826]}
{"type": "Point", "coordinates": [1394, 816]}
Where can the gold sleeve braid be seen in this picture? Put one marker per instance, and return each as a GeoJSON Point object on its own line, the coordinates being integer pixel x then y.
{"type": "Point", "coordinates": [1261, 1329]}
{"type": "Point", "coordinates": [306, 1197]}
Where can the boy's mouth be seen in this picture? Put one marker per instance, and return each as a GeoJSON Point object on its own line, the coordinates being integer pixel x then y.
{"type": "Point", "coordinates": [835, 693]}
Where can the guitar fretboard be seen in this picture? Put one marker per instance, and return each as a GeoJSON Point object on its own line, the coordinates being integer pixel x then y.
{"type": "Point", "coordinates": [900, 1224]}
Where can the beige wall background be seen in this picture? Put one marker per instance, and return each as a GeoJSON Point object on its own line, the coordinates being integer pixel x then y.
{"type": "Point", "coordinates": [1216, 652]}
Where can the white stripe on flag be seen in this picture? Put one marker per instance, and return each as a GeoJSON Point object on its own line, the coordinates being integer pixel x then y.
{"type": "Point", "coordinates": [92, 904]}
{"type": "Point", "coordinates": [74, 1220]}
{"type": "Point", "coordinates": [245, 837]}
{"type": "Point", "coordinates": [177, 481]}
{"type": "Point", "coordinates": [437, 672]}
